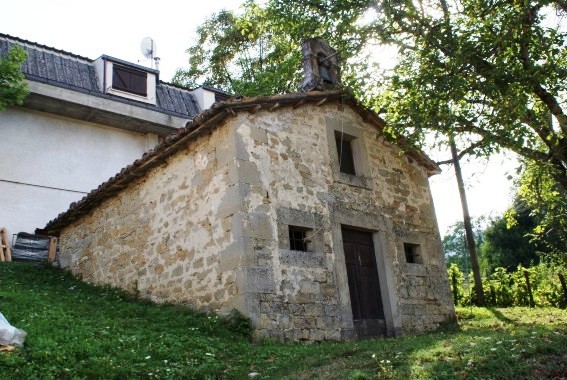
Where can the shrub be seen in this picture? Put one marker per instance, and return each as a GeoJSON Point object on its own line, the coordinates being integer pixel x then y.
{"type": "Point", "coordinates": [238, 323]}
{"type": "Point", "coordinates": [505, 289]}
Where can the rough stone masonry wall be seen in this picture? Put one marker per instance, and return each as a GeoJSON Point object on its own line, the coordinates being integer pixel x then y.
{"type": "Point", "coordinates": [161, 236]}
{"type": "Point", "coordinates": [293, 181]}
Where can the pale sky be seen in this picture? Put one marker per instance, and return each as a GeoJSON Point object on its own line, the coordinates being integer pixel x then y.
{"type": "Point", "coordinates": [116, 28]}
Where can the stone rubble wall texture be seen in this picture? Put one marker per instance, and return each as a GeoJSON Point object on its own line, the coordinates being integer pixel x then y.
{"type": "Point", "coordinates": [209, 228]}
{"type": "Point", "coordinates": [289, 167]}
{"type": "Point", "coordinates": [161, 237]}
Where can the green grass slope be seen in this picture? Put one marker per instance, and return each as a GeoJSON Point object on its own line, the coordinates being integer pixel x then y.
{"type": "Point", "coordinates": [79, 331]}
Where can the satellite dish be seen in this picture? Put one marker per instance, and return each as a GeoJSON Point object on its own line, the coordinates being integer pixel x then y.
{"type": "Point", "coordinates": [148, 48]}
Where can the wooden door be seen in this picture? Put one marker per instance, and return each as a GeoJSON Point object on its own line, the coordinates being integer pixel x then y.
{"type": "Point", "coordinates": [363, 282]}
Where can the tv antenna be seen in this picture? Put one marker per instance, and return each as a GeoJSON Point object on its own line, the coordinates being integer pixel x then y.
{"type": "Point", "coordinates": [149, 50]}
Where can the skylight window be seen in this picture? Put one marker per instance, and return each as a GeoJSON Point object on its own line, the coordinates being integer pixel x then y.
{"type": "Point", "coordinates": [129, 80]}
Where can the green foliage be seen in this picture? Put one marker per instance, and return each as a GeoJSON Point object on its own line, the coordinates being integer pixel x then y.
{"type": "Point", "coordinates": [454, 243]}
{"type": "Point", "coordinates": [498, 288]}
{"type": "Point", "coordinates": [505, 288]}
{"type": "Point", "coordinates": [258, 51]}
{"type": "Point", "coordinates": [491, 73]}
{"type": "Point", "coordinates": [549, 291]}
{"type": "Point", "coordinates": [535, 226]}
{"type": "Point", "coordinates": [13, 89]}
{"type": "Point", "coordinates": [456, 279]}
{"type": "Point", "coordinates": [508, 245]}
{"type": "Point", "coordinates": [243, 54]}
{"type": "Point", "coordinates": [546, 203]}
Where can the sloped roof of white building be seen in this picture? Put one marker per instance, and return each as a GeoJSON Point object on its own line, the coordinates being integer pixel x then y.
{"type": "Point", "coordinates": [63, 69]}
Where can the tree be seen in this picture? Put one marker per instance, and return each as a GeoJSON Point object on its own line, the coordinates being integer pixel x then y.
{"type": "Point", "coordinates": [467, 224]}
{"type": "Point", "coordinates": [242, 54]}
{"type": "Point", "coordinates": [492, 73]}
{"type": "Point", "coordinates": [507, 245]}
{"type": "Point", "coordinates": [546, 204]}
{"type": "Point", "coordinates": [13, 89]}
{"type": "Point", "coordinates": [258, 52]}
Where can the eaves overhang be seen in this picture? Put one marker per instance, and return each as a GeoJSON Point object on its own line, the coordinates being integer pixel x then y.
{"type": "Point", "coordinates": [105, 110]}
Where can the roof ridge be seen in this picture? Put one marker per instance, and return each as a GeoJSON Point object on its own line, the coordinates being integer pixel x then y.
{"type": "Point", "coordinates": [41, 46]}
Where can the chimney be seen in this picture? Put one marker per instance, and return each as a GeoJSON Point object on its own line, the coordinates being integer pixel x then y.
{"type": "Point", "coordinates": [320, 66]}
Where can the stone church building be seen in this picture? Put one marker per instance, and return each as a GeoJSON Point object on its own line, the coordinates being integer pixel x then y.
{"type": "Point", "coordinates": [293, 209]}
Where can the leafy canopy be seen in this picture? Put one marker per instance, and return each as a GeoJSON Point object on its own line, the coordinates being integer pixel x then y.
{"type": "Point", "coordinates": [508, 246]}
{"type": "Point", "coordinates": [546, 203]}
{"type": "Point", "coordinates": [258, 51]}
{"type": "Point", "coordinates": [13, 89]}
{"type": "Point", "coordinates": [493, 73]}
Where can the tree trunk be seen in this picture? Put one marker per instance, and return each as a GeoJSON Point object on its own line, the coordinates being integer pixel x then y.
{"type": "Point", "coordinates": [471, 245]}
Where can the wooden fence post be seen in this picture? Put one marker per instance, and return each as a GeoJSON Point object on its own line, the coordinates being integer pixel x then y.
{"type": "Point", "coordinates": [52, 249]}
{"type": "Point", "coordinates": [5, 254]}
{"type": "Point", "coordinates": [564, 286]}
{"type": "Point", "coordinates": [527, 277]}
{"type": "Point", "coordinates": [455, 284]}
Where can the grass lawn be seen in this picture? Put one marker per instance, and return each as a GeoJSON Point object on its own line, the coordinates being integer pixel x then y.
{"type": "Point", "coordinates": [78, 331]}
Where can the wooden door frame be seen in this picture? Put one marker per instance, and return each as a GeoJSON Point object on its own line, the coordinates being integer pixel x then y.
{"type": "Point", "coordinates": [384, 261]}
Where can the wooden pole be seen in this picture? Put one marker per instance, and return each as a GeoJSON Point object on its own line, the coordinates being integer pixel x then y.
{"type": "Point", "coordinates": [471, 245]}
{"type": "Point", "coordinates": [52, 249]}
{"type": "Point", "coordinates": [529, 287]}
{"type": "Point", "coordinates": [564, 286]}
{"type": "Point", "coordinates": [5, 254]}
{"type": "Point", "coordinates": [455, 289]}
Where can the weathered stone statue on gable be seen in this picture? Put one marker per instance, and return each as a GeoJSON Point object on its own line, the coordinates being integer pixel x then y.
{"type": "Point", "coordinates": [321, 66]}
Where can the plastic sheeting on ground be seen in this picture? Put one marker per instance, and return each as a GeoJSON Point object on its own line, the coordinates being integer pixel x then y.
{"type": "Point", "coordinates": [10, 335]}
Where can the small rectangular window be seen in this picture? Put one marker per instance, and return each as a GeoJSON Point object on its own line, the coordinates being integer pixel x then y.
{"type": "Point", "coordinates": [298, 238]}
{"type": "Point", "coordinates": [129, 80]}
{"type": "Point", "coordinates": [345, 153]}
{"type": "Point", "coordinates": [412, 252]}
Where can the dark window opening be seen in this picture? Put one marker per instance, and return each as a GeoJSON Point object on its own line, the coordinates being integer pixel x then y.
{"type": "Point", "coordinates": [412, 253]}
{"type": "Point", "coordinates": [298, 240]}
{"type": "Point", "coordinates": [129, 80]}
{"type": "Point", "coordinates": [345, 153]}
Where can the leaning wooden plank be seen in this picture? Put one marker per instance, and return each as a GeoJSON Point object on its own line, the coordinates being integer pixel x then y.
{"type": "Point", "coordinates": [52, 249]}
{"type": "Point", "coordinates": [4, 247]}
{"type": "Point", "coordinates": [7, 252]}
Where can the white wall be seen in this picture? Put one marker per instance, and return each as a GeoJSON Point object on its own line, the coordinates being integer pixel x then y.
{"type": "Point", "coordinates": [47, 162]}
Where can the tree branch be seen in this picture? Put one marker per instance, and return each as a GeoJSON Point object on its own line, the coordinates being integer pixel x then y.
{"type": "Point", "coordinates": [528, 19]}
{"type": "Point", "coordinates": [463, 153]}
{"type": "Point", "coordinates": [503, 141]}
